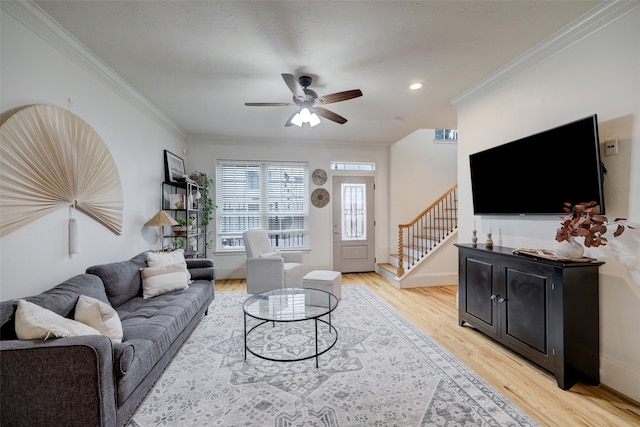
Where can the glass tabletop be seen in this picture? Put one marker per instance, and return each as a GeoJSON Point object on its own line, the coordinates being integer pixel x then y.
{"type": "Point", "coordinates": [290, 304]}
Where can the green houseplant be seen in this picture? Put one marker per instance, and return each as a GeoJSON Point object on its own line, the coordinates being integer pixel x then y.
{"type": "Point", "coordinates": [584, 220]}
{"type": "Point", "coordinates": [207, 202]}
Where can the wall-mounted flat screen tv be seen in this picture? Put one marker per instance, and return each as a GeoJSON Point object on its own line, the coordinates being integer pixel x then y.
{"type": "Point", "coordinates": [536, 175]}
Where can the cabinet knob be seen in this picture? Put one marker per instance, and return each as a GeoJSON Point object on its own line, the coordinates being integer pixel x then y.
{"type": "Point", "coordinates": [493, 298]}
{"type": "Point", "coordinates": [500, 299]}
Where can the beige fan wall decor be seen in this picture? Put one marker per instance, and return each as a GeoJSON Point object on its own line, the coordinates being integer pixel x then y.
{"type": "Point", "coordinates": [52, 159]}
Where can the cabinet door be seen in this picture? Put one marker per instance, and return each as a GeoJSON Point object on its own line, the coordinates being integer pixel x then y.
{"type": "Point", "coordinates": [477, 292]}
{"type": "Point", "coordinates": [526, 305]}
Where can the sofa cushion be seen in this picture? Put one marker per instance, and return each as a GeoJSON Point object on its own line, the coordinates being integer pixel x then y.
{"type": "Point", "coordinates": [150, 326]}
{"type": "Point", "coordinates": [121, 279]}
{"type": "Point", "coordinates": [99, 315]}
{"type": "Point", "coordinates": [60, 299]}
{"type": "Point", "coordinates": [35, 323]}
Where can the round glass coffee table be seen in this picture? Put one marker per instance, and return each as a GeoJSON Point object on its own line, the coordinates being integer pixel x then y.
{"type": "Point", "coordinates": [291, 305]}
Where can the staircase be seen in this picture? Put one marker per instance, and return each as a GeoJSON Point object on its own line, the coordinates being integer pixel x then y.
{"type": "Point", "coordinates": [420, 238]}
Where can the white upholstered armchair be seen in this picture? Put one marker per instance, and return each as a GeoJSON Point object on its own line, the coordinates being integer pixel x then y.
{"type": "Point", "coordinates": [268, 268]}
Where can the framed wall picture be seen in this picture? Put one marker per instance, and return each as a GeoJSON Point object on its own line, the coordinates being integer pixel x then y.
{"type": "Point", "coordinates": [173, 167]}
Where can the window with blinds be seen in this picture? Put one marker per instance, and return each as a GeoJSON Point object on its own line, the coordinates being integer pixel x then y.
{"type": "Point", "coordinates": [259, 194]}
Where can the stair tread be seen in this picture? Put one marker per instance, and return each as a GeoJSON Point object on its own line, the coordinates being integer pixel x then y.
{"type": "Point", "coordinates": [388, 267]}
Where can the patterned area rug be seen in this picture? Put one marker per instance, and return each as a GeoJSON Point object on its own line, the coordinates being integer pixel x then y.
{"type": "Point", "coordinates": [383, 371]}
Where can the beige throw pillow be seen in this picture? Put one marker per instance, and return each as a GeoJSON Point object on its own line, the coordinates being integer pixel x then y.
{"type": "Point", "coordinates": [34, 323]}
{"type": "Point", "coordinates": [99, 315]}
{"type": "Point", "coordinates": [167, 278]}
{"type": "Point", "coordinates": [159, 259]}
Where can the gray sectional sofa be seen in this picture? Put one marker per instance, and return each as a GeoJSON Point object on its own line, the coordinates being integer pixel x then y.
{"type": "Point", "coordinates": [88, 380]}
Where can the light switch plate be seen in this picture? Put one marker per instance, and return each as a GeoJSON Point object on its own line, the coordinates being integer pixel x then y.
{"type": "Point", "coordinates": [611, 147]}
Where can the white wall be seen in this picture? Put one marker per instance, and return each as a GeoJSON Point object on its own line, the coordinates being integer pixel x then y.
{"type": "Point", "coordinates": [421, 171]}
{"type": "Point", "coordinates": [35, 257]}
{"type": "Point", "coordinates": [598, 74]}
{"type": "Point", "coordinates": [202, 155]}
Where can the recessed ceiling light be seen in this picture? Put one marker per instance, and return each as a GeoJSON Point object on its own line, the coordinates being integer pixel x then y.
{"type": "Point", "coordinates": [416, 86]}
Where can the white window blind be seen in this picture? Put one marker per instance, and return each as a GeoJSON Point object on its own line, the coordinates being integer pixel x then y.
{"type": "Point", "coordinates": [269, 195]}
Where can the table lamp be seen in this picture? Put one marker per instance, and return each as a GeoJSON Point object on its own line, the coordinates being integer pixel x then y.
{"type": "Point", "coordinates": [161, 219]}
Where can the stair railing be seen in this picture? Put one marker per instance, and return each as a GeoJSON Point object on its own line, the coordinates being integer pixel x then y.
{"type": "Point", "coordinates": [427, 229]}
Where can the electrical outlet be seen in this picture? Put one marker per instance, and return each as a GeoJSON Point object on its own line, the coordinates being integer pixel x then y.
{"type": "Point", "coordinates": [611, 147]}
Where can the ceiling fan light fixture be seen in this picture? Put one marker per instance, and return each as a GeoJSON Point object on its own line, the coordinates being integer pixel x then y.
{"type": "Point", "coordinates": [314, 120]}
{"type": "Point", "coordinates": [309, 102]}
{"type": "Point", "coordinates": [305, 116]}
{"type": "Point", "coordinates": [297, 120]}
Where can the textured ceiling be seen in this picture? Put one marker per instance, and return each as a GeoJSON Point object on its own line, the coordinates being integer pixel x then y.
{"type": "Point", "coordinates": [200, 61]}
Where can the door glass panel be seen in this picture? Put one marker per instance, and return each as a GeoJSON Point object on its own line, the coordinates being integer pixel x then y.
{"type": "Point", "coordinates": [354, 212]}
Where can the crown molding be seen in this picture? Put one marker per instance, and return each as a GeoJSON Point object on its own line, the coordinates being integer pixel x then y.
{"type": "Point", "coordinates": [40, 23]}
{"type": "Point", "coordinates": [596, 19]}
{"type": "Point", "coordinates": [221, 140]}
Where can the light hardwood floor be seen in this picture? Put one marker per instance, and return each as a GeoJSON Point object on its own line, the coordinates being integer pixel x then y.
{"type": "Point", "coordinates": [433, 309]}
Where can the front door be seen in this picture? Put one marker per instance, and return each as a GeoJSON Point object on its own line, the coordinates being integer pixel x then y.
{"type": "Point", "coordinates": [353, 224]}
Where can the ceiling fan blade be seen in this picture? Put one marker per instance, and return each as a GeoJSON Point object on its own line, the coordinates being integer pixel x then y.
{"type": "Point", "coordinates": [294, 86]}
{"type": "Point", "coordinates": [339, 96]}
{"type": "Point", "coordinates": [329, 115]}
{"type": "Point", "coordinates": [288, 123]}
{"type": "Point", "coordinates": [267, 104]}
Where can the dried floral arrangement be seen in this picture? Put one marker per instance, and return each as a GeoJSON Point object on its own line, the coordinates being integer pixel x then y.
{"type": "Point", "coordinates": [584, 220]}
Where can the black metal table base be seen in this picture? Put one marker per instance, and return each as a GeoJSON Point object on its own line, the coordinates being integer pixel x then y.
{"type": "Point", "coordinates": [317, 354]}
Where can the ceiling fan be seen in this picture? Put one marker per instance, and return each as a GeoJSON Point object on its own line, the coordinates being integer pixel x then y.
{"type": "Point", "coordinates": [307, 99]}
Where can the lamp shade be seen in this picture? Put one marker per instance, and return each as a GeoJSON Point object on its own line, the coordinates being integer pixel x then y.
{"type": "Point", "coordinates": [161, 219]}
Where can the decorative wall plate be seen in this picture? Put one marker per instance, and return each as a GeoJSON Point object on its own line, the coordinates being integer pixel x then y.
{"type": "Point", "coordinates": [319, 176]}
{"type": "Point", "coordinates": [319, 197]}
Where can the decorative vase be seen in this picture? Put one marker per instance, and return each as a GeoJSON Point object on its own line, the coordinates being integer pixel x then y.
{"type": "Point", "coordinates": [569, 249]}
{"type": "Point", "coordinates": [489, 243]}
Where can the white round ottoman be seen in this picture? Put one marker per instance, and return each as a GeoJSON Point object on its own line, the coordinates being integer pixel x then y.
{"type": "Point", "coordinates": [324, 280]}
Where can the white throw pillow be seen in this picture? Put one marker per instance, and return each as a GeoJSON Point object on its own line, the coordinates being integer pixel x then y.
{"type": "Point", "coordinates": [159, 259]}
{"type": "Point", "coordinates": [274, 252]}
{"type": "Point", "coordinates": [34, 323]}
{"type": "Point", "coordinates": [162, 259]}
{"type": "Point", "coordinates": [167, 278]}
{"type": "Point", "coordinates": [99, 315]}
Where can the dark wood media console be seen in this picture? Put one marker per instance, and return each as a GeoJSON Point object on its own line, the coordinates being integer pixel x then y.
{"type": "Point", "coordinates": [547, 311]}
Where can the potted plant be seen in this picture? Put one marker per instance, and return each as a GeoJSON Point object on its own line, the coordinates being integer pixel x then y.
{"type": "Point", "coordinates": [178, 243]}
{"type": "Point", "coordinates": [199, 178]}
{"type": "Point", "coordinates": [584, 220]}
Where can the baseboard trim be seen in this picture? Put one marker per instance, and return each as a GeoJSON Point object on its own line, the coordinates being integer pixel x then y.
{"type": "Point", "coordinates": [620, 377]}
{"type": "Point", "coordinates": [421, 281]}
